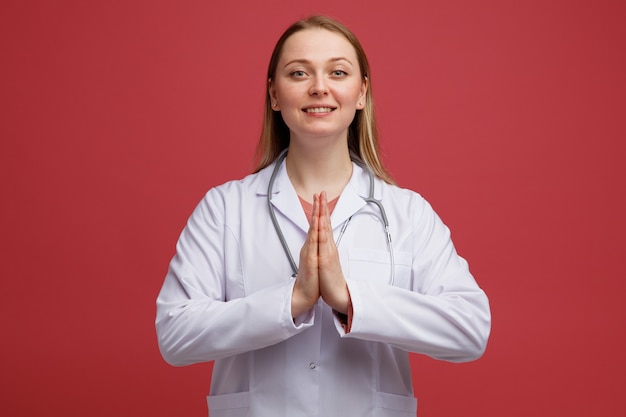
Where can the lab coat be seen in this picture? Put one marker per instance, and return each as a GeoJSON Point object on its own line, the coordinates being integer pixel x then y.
{"type": "Point", "coordinates": [227, 297]}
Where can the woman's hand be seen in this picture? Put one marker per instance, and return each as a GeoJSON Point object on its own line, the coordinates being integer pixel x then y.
{"type": "Point", "coordinates": [333, 287]}
{"type": "Point", "coordinates": [307, 288]}
{"type": "Point", "coordinates": [320, 273]}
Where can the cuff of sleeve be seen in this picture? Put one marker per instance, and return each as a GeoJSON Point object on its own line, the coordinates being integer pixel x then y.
{"type": "Point", "coordinates": [346, 319]}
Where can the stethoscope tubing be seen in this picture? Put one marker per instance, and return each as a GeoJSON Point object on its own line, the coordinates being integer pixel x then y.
{"type": "Point", "coordinates": [277, 227]}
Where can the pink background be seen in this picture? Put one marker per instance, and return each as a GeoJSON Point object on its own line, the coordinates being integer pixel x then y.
{"type": "Point", "coordinates": [117, 116]}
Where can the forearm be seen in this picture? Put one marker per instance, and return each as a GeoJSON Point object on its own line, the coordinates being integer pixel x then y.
{"type": "Point", "coordinates": [454, 326]}
{"type": "Point", "coordinates": [203, 329]}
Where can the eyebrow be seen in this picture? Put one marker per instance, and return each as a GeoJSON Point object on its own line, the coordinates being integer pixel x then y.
{"type": "Point", "coordinates": [306, 61]}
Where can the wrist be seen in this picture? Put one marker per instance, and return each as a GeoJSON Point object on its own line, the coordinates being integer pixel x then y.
{"type": "Point", "coordinates": [301, 302]}
{"type": "Point", "coordinates": [340, 301]}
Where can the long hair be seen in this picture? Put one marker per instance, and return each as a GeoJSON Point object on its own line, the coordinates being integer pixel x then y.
{"type": "Point", "coordinates": [362, 133]}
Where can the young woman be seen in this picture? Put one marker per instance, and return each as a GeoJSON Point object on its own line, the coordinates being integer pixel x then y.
{"type": "Point", "coordinates": [309, 281]}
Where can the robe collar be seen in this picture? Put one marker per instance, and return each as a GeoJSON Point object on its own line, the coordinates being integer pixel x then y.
{"type": "Point", "coordinates": [285, 199]}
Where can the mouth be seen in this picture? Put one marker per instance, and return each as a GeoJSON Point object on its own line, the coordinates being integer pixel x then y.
{"type": "Point", "coordinates": [318, 109]}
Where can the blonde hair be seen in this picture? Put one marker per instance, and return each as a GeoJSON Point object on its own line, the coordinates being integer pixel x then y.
{"type": "Point", "coordinates": [362, 133]}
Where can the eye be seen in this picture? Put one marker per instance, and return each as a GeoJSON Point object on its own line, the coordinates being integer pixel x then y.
{"type": "Point", "coordinates": [297, 74]}
{"type": "Point", "coordinates": [339, 73]}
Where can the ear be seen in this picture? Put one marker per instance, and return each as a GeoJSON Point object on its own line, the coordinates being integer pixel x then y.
{"type": "Point", "coordinates": [272, 92]}
{"type": "Point", "coordinates": [362, 94]}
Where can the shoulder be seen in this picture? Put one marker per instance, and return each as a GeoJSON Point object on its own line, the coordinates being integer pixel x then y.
{"type": "Point", "coordinates": [245, 187]}
{"type": "Point", "coordinates": [230, 199]}
{"type": "Point", "coordinates": [396, 194]}
{"type": "Point", "coordinates": [405, 203]}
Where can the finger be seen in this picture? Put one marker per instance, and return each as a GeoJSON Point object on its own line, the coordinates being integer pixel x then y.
{"type": "Point", "coordinates": [328, 225]}
{"type": "Point", "coordinates": [315, 217]}
{"type": "Point", "coordinates": [309, 251]}
{"type": "Point", "coordinates": [316, 206]}
{"type": "Point", "coordinates": [323, 208]}
{"type": "Point", "coordinates": [314, 223]}
{"type": "Point", "coordinates": [325, 224]}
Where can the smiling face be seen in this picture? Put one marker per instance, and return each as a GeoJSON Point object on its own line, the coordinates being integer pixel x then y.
{"type": "Point", "coordinates": [318, 86]}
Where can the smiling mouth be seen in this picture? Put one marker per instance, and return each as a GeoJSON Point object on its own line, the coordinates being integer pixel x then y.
{"type": "Point", "coordinates": [318, 109]}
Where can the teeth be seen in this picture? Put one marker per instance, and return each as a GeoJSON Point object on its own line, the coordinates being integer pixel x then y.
{"type": "Point", "coordinates": [319, 110]}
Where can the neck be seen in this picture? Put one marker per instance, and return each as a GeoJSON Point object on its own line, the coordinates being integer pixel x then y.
{"type": "Point", "coordinates": [312, 171]}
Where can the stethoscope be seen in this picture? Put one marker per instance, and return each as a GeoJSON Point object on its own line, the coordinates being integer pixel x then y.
{"type": "Point", "coordinates": [369, 199]}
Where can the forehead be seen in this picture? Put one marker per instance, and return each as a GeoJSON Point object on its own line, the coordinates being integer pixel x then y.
{"type": "Point", "coordinates": [317, 44]}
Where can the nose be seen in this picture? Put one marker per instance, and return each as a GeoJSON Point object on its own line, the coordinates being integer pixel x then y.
{"type": "Point", "coordinates": [318, 87]}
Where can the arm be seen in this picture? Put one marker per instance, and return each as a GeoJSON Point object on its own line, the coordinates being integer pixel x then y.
{"type": "Point", "coordinates": [444, 314]}
{"type": "Point", "coordinates": [195, 321]}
